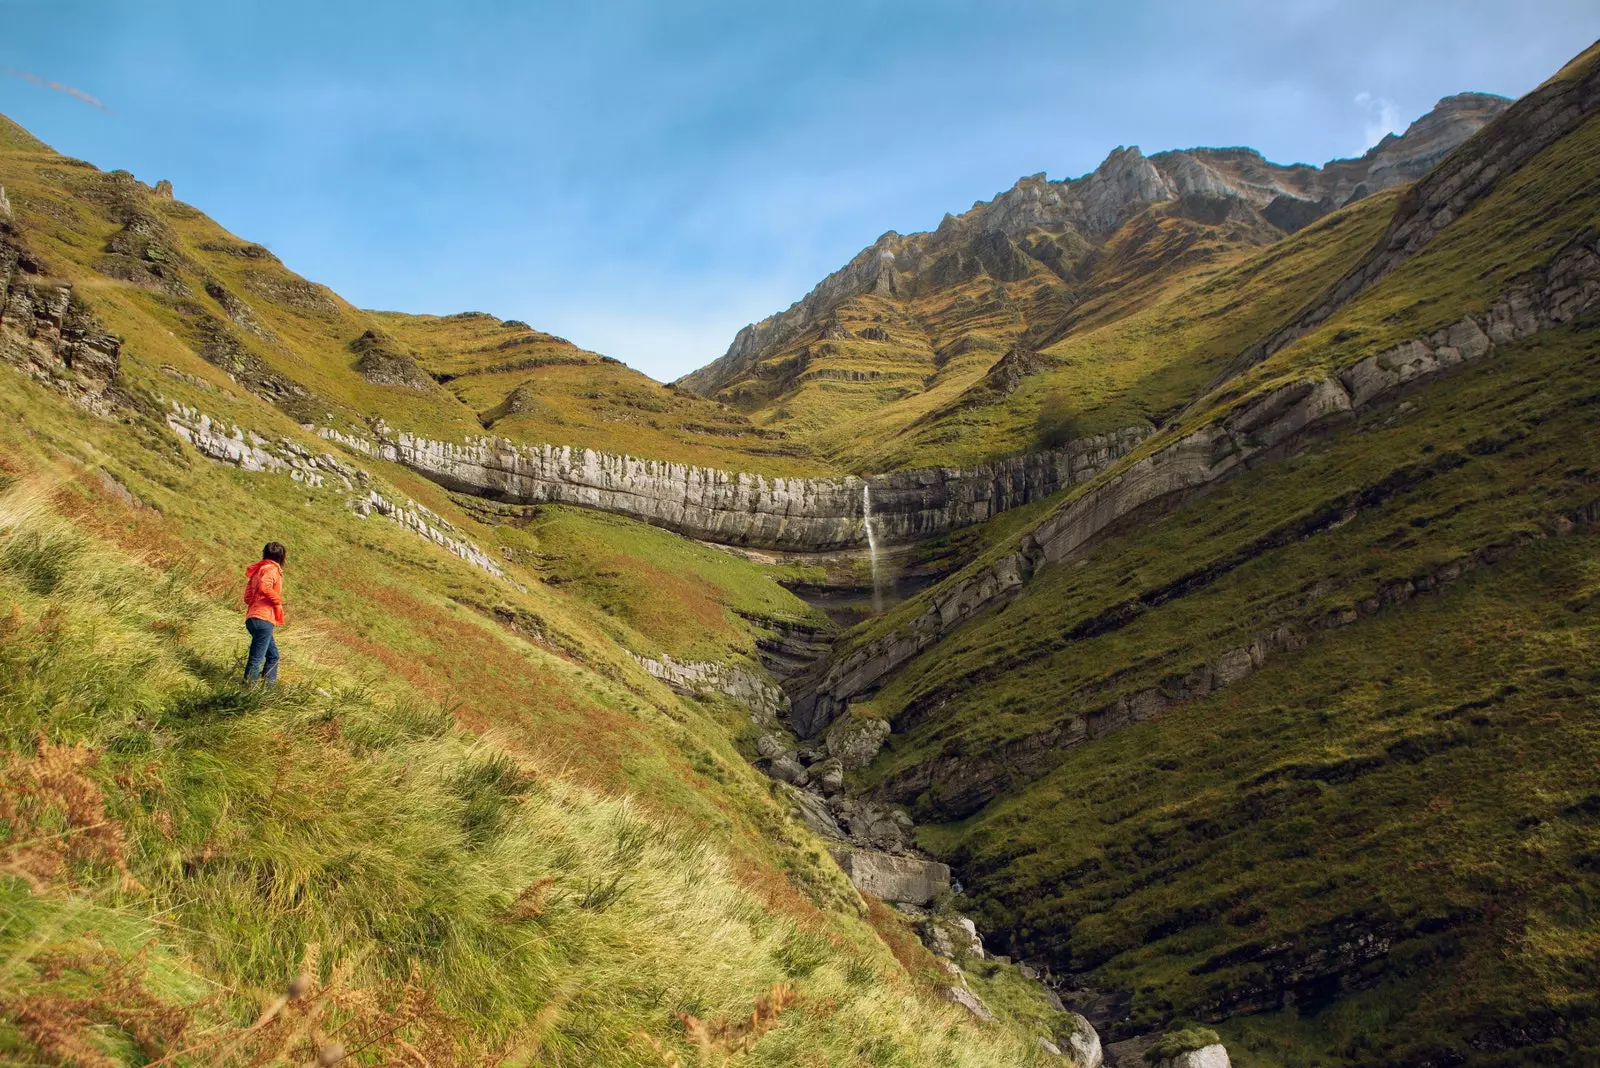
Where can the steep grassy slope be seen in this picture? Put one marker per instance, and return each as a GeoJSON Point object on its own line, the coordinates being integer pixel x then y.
{"type": "Point", "coordinates": [1310, 753]}
{"type": "Point", "coordinates": [240, 317]}
{"type": "Point", "coordinates": [481, 830]}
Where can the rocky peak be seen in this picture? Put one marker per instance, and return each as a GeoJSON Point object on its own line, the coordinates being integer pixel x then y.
{"type": "Point", "coordinates": [1432, 137]}
{"type": "Point", "coordinates": [1208, 184]}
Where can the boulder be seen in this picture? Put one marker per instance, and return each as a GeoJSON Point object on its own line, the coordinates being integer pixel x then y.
{"type": "Point", "coordinates": [813, 811]}
{"type": "Point", "coordinates": [771, 746]}
{"type": "Point", "coordinates": [787, 769]}
{"type": "Point", "coordinates": [1212, 1056]}
{"type": "Point", "coordinates": [1082, 1042]}
{"type": "Point", "coordinates": [854, 740]}
{"type": "Point", "coordinates": [1191, 1047]}
{"type": "Point", "coordinates": [872, 823]}
{"type": "Point", "coordinates": [1049, 1047]}
{"type": "Point", "coordinates": [891, 877]}
{"type": "Point", "coordinates": [828, 775]}
{"type": "Point", "coordinates": [969, 1001]}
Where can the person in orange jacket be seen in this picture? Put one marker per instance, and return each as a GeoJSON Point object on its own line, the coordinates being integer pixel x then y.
{"type": "Point", "coordinates": [263, 599]}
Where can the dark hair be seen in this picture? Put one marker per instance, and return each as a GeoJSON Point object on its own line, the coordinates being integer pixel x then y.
{"type": "Point", "coordinates": [275, 552]}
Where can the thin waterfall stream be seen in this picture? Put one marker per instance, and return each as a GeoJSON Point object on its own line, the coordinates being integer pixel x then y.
{"type": "Point", "coordinates": [872, 545]}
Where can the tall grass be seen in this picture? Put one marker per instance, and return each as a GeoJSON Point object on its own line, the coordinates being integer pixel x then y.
{"type": "Point", "coordinates": [439, 898]}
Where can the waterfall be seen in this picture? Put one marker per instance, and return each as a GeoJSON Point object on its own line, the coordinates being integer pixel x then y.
{"type": "Point", "coordinates": [872, 544]}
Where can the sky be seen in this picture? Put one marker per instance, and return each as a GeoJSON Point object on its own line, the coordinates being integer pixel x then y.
{"type": "Point", "coordinates": [646, 178]}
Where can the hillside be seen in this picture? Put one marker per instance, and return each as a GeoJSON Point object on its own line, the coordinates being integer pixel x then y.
{"type": "Point", "coordinates": [1152, 612]}
{"type": "Point", "coordinates": [1285, 723]}
{"type": "Point", "coordinates": [472, 826]}
{"type": "Point", "coordinates": [947, 345]}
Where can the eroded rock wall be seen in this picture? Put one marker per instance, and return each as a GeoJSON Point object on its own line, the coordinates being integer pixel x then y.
{"type": "Point", "coordinates": [792, 514]}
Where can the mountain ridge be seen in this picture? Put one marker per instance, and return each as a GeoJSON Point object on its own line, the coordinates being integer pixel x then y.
{"type": "Point", "coordinates": [1288, 197]}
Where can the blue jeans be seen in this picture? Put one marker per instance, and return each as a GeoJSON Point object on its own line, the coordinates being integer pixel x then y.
{"type": "Point", "coordinates": [263, 661]}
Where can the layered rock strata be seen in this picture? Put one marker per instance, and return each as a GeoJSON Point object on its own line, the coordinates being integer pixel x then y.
{"type": "Point", "coordinates": [47, 332]}
{"type": "Point", "coordinates": [249, 451]}
{"type": "Point", "coordinates": [1257, 430]}
{"type": "Point", "coordinates": [791, 514]}
{"type": "Point", "coordinates": [954, 787]}
{"type": "Point", "coordinates": [765, 700]}
{"type": "Point", "coordinates": [1042, 221]}
{"type": "Point", "coordinates": [1445, 193]}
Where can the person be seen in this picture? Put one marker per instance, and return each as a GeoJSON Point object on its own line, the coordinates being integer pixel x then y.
{"type": "Point", "coordinates": [263, 598]}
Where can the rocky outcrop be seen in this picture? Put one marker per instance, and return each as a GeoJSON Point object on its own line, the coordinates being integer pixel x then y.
{"type": "Point", "coordinates": [804, 514]}
{"type": "Point", "coordinates": [249, 451]}
{"type": "Point", "coordinates": [765, 700]}
{"type": "Point", "coordinates": [383, 361]}
{"type": "Point", "coordinates": [974, 1005]}
{"type": "Point", "coordinates": [855, 740]}
{"type": "Point", "coordinates": [1255, 430]}
{"type": "Point", "coordinates": [1030, 223]}
{"type": "Point", "coordinates": [47, 332]}
{"type": "Point", "coordinates": [893, 877]}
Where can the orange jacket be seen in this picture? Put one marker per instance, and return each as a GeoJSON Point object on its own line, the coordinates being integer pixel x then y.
{"type": "Point", "coordinates": [263, 591]}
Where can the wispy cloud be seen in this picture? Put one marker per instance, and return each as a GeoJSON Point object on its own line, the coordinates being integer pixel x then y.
{"type": "Point", "coordinates": [1383, 117]}
{"type": "Point", "coordinates": [57, 86]}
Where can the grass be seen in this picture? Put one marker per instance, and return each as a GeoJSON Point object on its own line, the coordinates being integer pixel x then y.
{"type": "Point", "coordinates": [500, 873]}
{"type": "Point", "coordinates": [468, 815]}
{"type": "Point", "coordinates": [1420, 774]}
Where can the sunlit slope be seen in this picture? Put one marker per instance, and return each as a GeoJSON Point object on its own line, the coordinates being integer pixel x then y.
{"type": "Point", "coordinates": [162, 272]}
{"type": "Point", "coordinates": [469, 816]}
{"type": "Point", "coordinates": [534, 387]}
{"type": "Point", "coordinates": [960, 374]}
{"type": "Point", "coordinates": [1312, 755]}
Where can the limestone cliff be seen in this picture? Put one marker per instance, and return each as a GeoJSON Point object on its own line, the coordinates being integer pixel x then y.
{"type": "Point", "coordinates": [793, 514]}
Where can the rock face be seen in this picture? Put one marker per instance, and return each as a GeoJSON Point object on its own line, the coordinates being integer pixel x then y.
{"type": "Point", "coordinates": [893, 878]}
{"type": "Point", "coordinates": [1270, 426]}
{"type": "Point", "coordinates": [1052, 222]}
{"type": "Point", "coordinates": [801, 514]}
{"type": "Point", "coordinates": [46, 331]}
{"type": "Point", "coordinates": [744, 685]}
{"type": "Point", "coordinates": [855, 740]}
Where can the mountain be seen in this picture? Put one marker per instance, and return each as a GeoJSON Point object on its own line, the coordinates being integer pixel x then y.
{"type": "Point", "coordinates": [1174, 647]}
{"type": "Point", "coordinates": [501, 808]}
{"type": "Point", "coordinates": [920, 331]}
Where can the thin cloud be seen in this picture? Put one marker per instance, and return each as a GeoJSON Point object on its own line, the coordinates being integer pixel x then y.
{"type": "Point", "coordinates": [57, 86]}
{"type": "Point", "coordinates": [1383, 118]}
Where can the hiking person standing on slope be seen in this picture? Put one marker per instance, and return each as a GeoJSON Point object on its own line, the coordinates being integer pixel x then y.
{"type": "Point", "coordinates": [263, 598]}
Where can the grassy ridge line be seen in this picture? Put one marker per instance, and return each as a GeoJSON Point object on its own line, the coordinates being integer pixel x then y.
{"type": "Point", "coordinates": [344, 810]}
{"type": "Point", "coordinates": [185, 293]}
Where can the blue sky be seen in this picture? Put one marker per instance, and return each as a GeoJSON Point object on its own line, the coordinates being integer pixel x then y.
{"type": "Point", "coordinates": [646, 178]}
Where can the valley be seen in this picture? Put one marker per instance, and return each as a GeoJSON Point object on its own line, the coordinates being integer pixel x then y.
{"type": "Point", "coordinates": [1149, 613]}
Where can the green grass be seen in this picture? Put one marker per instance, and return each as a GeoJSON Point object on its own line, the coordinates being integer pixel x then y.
{"type": "Point", "coordinates": [468, 811]}
{"type": "Point", "coordinates": [379, 817]}
{"type": "Point", "coordinates": [1342, 783]}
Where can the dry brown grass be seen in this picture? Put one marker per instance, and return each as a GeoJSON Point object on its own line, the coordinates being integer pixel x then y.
{"type": "Point", "coordinates": [717, 1042]}
{"type": "Point", "coordinates": [53, 813]}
